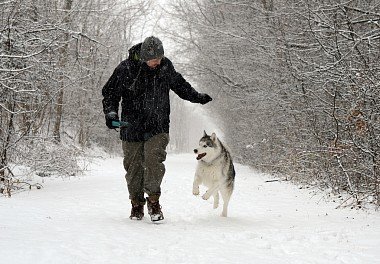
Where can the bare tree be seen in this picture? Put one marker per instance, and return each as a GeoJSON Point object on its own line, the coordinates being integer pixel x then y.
{"type": "Point", "coordinates": [295, 85]}
{"type": "Point", "coordinates": [54, 56]}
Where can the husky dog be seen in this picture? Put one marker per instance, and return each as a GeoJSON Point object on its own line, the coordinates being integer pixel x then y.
{"type": "Point", "coordinates": [215, 170]}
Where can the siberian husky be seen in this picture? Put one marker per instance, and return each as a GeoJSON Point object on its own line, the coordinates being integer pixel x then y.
{"type": "Point", "coordinates": [215, 170]}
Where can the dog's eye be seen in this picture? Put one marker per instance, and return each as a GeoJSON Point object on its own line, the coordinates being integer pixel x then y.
{"type": "Point", "coordinates": [205, 146]}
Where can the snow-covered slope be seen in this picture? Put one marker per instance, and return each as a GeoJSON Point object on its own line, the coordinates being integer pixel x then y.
{"type": "Point", "coordinates": [85, 220]}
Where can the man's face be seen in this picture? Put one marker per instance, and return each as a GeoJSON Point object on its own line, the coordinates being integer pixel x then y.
{"type": "Point", "coordinates": [154, 63]}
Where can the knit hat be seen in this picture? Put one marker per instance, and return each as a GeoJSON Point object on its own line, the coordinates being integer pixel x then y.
{"type": "Point", "coordinates": [151, 48]}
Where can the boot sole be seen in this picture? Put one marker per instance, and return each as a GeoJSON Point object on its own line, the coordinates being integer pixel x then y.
{"type": "Point", "coordinates": [156, 218]}
{"type": "Point", "coordinates": [136, 218]}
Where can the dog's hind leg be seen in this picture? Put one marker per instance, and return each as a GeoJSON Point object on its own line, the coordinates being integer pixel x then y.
{"type": "Point", "coordinates": [216, 199]}
{"type": "Point", "coordinates": [226, 195]}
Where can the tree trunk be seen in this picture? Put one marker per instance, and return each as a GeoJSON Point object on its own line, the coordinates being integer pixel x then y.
{"type": "Point", "coordinates": [62, 65]}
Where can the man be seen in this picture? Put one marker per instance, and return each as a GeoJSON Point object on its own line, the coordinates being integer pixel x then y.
{"type": "Point", "coordinates": [143, 82]}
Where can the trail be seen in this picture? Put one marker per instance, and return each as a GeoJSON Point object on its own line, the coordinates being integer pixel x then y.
{"type": "Point", "coordinates": [85, 220]}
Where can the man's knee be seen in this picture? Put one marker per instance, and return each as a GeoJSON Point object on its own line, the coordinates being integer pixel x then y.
{"type": "Point", "coordinates": [155, 149]}
{"type": "Point", "coordinates": [155, 156]}
{"type": "Point", "coordinates": [133, 156]}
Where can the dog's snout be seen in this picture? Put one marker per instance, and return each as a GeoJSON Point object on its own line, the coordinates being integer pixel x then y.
{"type": "Point", "coordinates": [195, 151]}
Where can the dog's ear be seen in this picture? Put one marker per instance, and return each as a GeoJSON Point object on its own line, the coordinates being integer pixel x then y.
{"type": "Point", "coordinates": [204, 133]}
{"type": "Point", "coordinates": [213, 137]}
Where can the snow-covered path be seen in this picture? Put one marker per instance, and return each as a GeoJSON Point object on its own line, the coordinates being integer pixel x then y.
{"type": "Point", "coordinates": [85, 220]}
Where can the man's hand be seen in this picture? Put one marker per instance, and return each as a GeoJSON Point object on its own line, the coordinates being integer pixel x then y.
{"type": "Point", "coordinates": [204, 98]}
{"type": "Point", "coordinates": [111, 116]}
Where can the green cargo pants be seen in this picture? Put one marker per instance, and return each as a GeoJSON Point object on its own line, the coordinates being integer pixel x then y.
{"type": "Point", "coordinates": [143, 162]}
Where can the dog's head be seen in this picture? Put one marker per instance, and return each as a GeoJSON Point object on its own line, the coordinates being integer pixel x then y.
{"type": "Point", "coordinates": [208, 148]}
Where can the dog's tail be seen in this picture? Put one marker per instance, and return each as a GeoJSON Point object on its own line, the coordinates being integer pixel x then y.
{"type": "Point", "coordinates": [231, 177]}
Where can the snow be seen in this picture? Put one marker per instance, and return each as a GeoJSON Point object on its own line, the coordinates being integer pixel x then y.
{"type": "Point", "coordinates": [85, 220]}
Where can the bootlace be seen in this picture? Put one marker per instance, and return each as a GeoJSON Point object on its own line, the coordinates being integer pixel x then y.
{"type": "Point", "coordinates": [155, 207]}
{"type": "Point", "coordinates": [137, 210]}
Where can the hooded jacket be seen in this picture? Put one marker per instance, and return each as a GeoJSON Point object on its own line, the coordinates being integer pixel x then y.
{"type": "Point", "coordinates": [144, 95]}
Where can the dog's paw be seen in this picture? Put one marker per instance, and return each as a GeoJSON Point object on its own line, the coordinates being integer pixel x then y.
{"type": "Point", "coordinates": [206, 196]}
{"type": "Point", "coordinates": [196, 192]}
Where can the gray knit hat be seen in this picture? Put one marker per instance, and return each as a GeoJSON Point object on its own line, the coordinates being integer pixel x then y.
{"type": "Point", "coordinates": [151, 48]}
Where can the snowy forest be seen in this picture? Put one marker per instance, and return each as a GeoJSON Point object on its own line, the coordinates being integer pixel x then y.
{"type": "Point", "coordinates": [295, 84]}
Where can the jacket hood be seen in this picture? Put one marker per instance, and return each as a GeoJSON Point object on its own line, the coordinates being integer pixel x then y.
{"type": "Point", "coordinates": [134, 52]}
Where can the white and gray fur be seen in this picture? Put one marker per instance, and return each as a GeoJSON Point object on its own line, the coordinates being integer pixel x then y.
{"type": "Point", "coordinates": [215, 170]}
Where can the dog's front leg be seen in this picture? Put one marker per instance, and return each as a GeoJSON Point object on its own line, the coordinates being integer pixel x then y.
{"type": "Point", "coordinates": [210, 191]}
{"type": "Point", "coordinates": [216, 199]}
{"type": "Point", "coordinates": [196, 184]}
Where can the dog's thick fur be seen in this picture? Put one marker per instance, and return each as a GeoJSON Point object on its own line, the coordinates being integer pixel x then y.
{"type": "Point", "coordinates": [215, 170]}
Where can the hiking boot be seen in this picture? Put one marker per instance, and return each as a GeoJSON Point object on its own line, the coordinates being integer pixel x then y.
{"type": "Point", "coordinates": [137, 211]}
{"type": "Point", "coordinates": [154, 210]}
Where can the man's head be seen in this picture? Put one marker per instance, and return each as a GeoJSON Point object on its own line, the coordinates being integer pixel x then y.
{"type": "Point", "coordinates": [152, 51]}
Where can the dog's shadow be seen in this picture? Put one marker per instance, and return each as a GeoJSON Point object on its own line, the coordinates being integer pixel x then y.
{"type": "Point", "coordinates": [216, 221]}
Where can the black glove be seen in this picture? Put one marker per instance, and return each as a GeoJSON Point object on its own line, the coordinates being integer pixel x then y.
{"type": "Point", "coordinates": [111, 116]}
{"type": "Point", "coordinates": [204, 98]}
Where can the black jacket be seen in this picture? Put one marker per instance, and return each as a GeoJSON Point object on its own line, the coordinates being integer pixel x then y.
{"type": "Point", "coordinates": [145, 95]}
